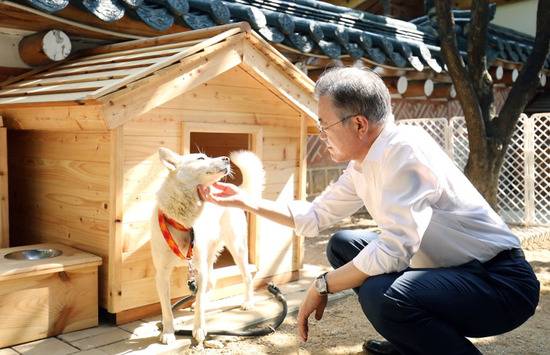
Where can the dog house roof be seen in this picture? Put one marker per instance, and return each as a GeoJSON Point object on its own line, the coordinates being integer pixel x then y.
{"type": "Point", "coordinates": [105, 80]}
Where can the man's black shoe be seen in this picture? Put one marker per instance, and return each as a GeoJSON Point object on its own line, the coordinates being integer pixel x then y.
{"type": "Point", "coordinates": [379, 347]}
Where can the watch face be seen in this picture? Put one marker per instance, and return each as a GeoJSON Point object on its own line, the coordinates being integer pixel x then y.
{"type": "Point", "coordinates": [320, 285]}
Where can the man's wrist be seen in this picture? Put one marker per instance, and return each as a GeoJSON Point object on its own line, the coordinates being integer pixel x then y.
{"type": "Point", "coordinates": [251, 204]}
{"type": "Point", "coordinates": [321, 285]}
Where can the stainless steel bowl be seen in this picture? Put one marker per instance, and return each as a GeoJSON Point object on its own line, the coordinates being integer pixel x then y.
{"type": "Point", "coordinates": [33, 254]}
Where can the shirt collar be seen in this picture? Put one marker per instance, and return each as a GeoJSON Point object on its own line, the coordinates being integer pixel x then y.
{"type": "Point", "coordinates": [377, 146]}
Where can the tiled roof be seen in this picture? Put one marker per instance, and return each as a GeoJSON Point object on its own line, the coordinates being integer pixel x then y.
{"type": "Point", "coordinates": [312, 28]}
{"type": "Point", "coordinates": [539, 103]}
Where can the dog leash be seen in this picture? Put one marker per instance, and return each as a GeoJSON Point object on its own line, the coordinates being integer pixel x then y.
{"type": "Point", "coordinates": [274, 290]}
{"type": "Point", "coordinates": [163, 221]}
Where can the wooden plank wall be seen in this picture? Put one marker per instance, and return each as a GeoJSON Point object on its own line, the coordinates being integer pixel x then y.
{"type": "Point", "coordinates": [4, 207]}
{"type": "Point", "coordinates": [59, 191]}
{"type": "Point", "coordinates": [232, 98]}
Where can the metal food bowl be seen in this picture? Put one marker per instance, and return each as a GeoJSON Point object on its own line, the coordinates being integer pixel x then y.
{"type": "Point", "coordinates": [33, 254]}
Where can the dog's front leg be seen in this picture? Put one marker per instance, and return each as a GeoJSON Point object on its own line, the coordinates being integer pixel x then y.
{"type": "Point", "coordinates": [163, 288]}
{"type": "Point", "coordinates": [199, 325]}
{"type": "Point", "coordinates": [242, 263]}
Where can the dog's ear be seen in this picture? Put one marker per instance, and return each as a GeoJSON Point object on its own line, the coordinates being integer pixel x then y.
{"type": "Point", "coordinates": [168, 158]}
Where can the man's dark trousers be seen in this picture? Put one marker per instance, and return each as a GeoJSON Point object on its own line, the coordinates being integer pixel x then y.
{"type": "Point", "coordinates": [432, 311]}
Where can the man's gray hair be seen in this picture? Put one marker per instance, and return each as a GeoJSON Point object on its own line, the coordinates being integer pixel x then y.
{"type": "Point", "coordinates": [356, 91]}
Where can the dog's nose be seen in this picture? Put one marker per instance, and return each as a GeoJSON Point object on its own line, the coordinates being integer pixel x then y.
{"type": "Point", "coordinates": [225, 159]}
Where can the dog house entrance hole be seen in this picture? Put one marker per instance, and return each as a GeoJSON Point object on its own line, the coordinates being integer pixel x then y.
{"type": "Point", "coordinates": [222, 144]}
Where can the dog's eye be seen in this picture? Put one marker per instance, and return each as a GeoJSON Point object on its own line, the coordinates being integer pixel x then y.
{"type": "Point", "coordinates": [200, 158]}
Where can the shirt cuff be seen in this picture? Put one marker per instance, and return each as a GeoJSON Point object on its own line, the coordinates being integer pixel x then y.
{"type": "Point", "coordinates": [305, 220]}
{"type": "Point", "coordinates": [373, 260]}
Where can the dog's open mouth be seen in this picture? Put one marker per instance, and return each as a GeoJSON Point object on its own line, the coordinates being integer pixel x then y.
{"type": "Point", "coordinates": [224, 171]}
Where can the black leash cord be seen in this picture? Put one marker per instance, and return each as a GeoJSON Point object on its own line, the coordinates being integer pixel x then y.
{"type": "Point", "coordinates": [274, 290]}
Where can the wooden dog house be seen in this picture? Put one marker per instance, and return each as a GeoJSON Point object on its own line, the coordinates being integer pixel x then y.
{"type": "Point", "coordinates": [83, 139]}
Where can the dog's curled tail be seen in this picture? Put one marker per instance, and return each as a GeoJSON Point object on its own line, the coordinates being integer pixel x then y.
{"type": "Point", "coordinates": [252, 171]}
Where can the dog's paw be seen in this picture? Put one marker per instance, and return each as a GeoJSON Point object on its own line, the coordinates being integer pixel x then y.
{"type": "Point", "coordinates": [167, 338]}
{"type": "Point", "coordinates": [197, 348]}
{"type": "Point", "coordinates": [213, 344]}
{"type": "Point", "coordinates": [199, 334]}
{"type": "Point", "coordinates": [246, 305]}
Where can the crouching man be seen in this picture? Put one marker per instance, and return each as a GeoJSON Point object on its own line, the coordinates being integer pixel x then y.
{"type": "Point", "coordinates": [444, 267]}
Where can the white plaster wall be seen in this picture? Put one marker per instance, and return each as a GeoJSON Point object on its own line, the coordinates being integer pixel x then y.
{"type": "Point", "coordinates": [520, 16]}
{"type": "Point", "coordinates": [9, 50]}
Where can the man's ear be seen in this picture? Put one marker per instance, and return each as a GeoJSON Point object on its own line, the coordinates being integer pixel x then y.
{"type": "Point", "coordinates": [362, 124]}
{"type": "Point", "coordinates": [168, 158]}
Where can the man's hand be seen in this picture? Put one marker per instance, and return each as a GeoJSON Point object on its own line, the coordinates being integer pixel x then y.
{"type": "Point", "coordinates": [223, 194]}
{"type": "Point", "coordinates": [313, 302]}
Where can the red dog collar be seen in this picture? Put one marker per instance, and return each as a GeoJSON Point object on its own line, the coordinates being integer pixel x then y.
{"type": "Point", "coordinates": [163, 220]}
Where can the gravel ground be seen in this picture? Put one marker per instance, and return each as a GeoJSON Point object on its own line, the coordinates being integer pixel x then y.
{"type": "Point", "coordinates": [344, 327]}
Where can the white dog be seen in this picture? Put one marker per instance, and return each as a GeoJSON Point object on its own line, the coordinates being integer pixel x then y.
{"type": "Point", "coordinates": [214, 226]}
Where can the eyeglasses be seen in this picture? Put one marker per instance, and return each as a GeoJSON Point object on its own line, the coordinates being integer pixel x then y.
{"type": "Point", "coordinates": [324, 129]}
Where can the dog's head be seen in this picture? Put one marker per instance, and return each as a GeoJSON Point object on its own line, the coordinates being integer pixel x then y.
{"type": "Point", "coordinates": [195, 169]}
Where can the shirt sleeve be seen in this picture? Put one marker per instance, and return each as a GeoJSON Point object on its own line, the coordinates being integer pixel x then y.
{"type": "Point", "coordinates": [339, 200]}
{"type": "Point", "coordinates": [409, 188]}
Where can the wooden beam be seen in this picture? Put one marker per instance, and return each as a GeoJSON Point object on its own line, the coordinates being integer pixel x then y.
{"type": "Point", "coordinates": [278, 58]}
{"type": "Point", "coordinates": [508, 77]}
{"type": "Point", "coordinates": [466, 4]}
{"type": "Point", "coordinates": [298, 242]}
{"type": "Point", "coordinates": [347, 3]}
{"type": "Point", "coordinates": [9, 72]}
{"type": "Point", "coordinates": [396, 84]}
{"type": "Point", "coordinates": [22, 17]}
{"type": "Point", "coordinates": [4, 193]}
{"type": "Point", "coordinates": [442, 91]}
{"type": "Point", "coordinates": [496, 72]}
{"type": "Point", "coordinates": [418, 88]}
{"type": "Point", "coordinates": [261, 68]}
{"type": "Point", "coordinates": [44, 47]}
{"type": "Point", "coordinates": [71, 19]}
{"type": "Point", "coordinates": [167, 39]}
{"type": "Point", "coordinates": [285, 80]}
{"type": "Point", "coordinates": [53, 117]}
{"type": "Point", "coordinates": [116, 208]}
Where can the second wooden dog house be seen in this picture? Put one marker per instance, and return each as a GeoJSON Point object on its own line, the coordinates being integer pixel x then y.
{"type": "Point", "coordinates": [84, 138]}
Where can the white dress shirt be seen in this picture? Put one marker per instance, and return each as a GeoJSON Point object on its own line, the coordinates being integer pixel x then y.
{"type": "Point", "coordinates": [429, 213]}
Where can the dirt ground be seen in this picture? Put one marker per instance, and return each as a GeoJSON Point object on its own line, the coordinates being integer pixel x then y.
{"type": "Point", "coordinates": [344, 327]}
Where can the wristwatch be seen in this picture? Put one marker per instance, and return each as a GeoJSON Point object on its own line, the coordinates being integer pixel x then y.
{"type": "Point", "coordinates": [321, 284]}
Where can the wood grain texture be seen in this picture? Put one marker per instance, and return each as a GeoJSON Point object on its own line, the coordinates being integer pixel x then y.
{"type": "Point", "coordinates": [4, 191]}
{"type": "Point", "coordinates": [113, 284]}
{"type": "Point", "coordinates": [43, 298]}
{"type": "Point", "coordinates": [149, 93]}
{"type": "Point", "coordinates": [54, 118]}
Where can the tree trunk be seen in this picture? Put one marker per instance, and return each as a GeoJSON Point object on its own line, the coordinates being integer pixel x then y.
{"type": "Point", "coordinates": [488, 135]}
{"type": "Point", "coordinates": [483, 170]}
